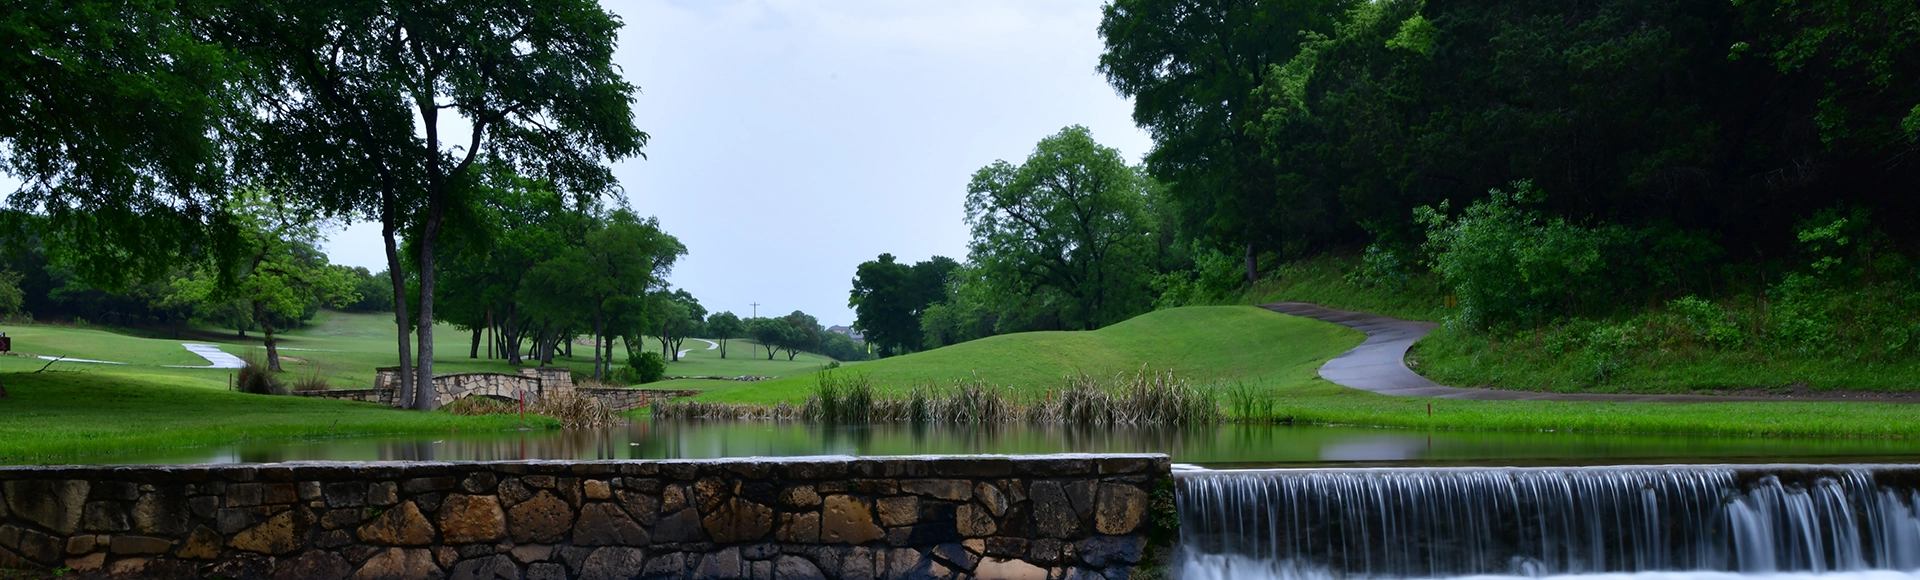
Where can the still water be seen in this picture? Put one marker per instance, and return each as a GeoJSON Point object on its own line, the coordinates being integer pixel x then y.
{"type": "Point", "coordinates": [1224, 446]}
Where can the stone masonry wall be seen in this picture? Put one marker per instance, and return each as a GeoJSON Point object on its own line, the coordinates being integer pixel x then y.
{"type": "Point", "coordinates": [1081, 517]}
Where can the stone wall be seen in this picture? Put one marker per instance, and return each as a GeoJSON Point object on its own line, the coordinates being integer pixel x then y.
{"type": "Point", "coordinates": [622, 399]}
{"type": "Point", "coordinates": [383, 396]}
{"type": "Point", "coordinates": [1042, 517]}
{"type": "Point", "coordinates": [447, 387]}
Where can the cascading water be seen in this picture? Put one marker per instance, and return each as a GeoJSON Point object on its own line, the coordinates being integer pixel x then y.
{"type": "Point", "coordinates": [1443, 522]}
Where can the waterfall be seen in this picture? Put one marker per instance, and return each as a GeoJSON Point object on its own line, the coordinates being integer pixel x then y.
{"type": "Point", "coordinates": [1442, 522]}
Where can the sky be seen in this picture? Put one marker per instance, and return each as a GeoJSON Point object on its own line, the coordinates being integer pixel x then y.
{"type": "Point", "coordinates": [794, 139]}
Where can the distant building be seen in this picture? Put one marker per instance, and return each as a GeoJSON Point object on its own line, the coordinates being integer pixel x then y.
{"type": "Point", "coordinates": [849, 332]}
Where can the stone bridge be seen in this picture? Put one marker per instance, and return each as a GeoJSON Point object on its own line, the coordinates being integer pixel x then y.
{"type": "Point", "coordinates": [534, 382]}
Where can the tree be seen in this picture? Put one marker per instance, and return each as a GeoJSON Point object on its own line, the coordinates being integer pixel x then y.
{"type": "Point", "coordinates": [723, 326]}
{"type": "Point", "coordinates": [621, 257]}
{"type": "Point", "coordinates": [281, 275]}
{"type": "Point", "coordinates": [803, 334]}
{"type": "Point", "coordinates": [771, 333]}
{"type": "Point", "coordinates": [888, 298]}
{"type": "Point", "coordinates": [352, 97]}
{"type": "Point", "coordinates": [120, 118]}
{"type": "Point", "coordinates": [1191, 67]}
{"type": "Point", "coordinates": [680, 316]}
{"type": "Point", "coordinates": [1068, 223]}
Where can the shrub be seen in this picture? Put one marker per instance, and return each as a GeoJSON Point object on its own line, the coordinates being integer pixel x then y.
{"type": "Point", "coordinates": [646, 368]}
{"type": "Point", "coordinates": [257, 379]}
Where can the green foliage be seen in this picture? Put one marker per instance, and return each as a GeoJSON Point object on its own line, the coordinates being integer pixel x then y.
{"type": "Point", "coordinates": [890, 299]}
{"type": "Point", "coordinates": [1215, 277]}
{"type": "Point", "coordinates": [1514, 267]}
{"type": "Point", "coordinates": [724, 326]}
{"type": "Point", "coordinates": [647, 368]}
{"type": "Point", "coordinates": [11, 298]}
{"type": "Point", "coordinates": [1067, 228]}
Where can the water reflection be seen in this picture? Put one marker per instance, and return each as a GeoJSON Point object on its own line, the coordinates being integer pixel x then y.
{"type": "Point", "coordinates": [1218, 446]}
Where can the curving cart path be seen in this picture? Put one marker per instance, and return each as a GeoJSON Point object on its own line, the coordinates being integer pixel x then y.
{"type": "Point", "coordinates": [1379, 365]}
{"type": "Point", "coordinates": [216, 358]}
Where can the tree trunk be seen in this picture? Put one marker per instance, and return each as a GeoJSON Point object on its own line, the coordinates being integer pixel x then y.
{"type": "Point", "coordinates": [404, 397]}
{"type": "Point", "coordinates": [723, 348]}
{"type": "Point", "coordinates": [475, 351]}
{"type": "Point", "coordinates": [598, 328]}
{"type": "Point", "coordinates": [423, 398]}
{"type": "Point", "coordinates": [1252, 270]}
{"type": "Point", "coordinates": [266, 328]}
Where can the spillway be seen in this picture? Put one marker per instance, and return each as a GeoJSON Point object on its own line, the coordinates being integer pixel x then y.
{"type": "Point", "coordinates": [1685, 521]}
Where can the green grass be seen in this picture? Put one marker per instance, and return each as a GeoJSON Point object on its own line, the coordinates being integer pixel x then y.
{"type": "Point", "coordinates": [1332, 281]}
{"type": "Point", "coordinates": [1461, 359]}
{"type": "Point", "coordinates": [1276, 356]}
{"type": "Point", "coordinates": [1557, 357]}
{"type": "Point", "coordinates": [1204, 344]}
{"type": "Point", "coordinates": [93, 412]}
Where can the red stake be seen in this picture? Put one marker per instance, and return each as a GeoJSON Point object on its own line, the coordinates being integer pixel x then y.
{"type": "Point", "coordinates": [1429, 409]}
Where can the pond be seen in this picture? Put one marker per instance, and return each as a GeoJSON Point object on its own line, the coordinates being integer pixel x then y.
{"type": "Point", "coordinates": [1224, 446]}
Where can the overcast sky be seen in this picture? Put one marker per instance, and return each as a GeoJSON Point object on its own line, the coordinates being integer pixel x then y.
{"type": "Point", "coordinates": [794, 139]}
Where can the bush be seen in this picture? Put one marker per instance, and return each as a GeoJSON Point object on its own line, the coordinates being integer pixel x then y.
{"type": "Point", "coordinates": [646, 368]}
{"type": "Point", "coordinates": [1514, 267]}
{"type": "Point", "coordinates": [255, 378]}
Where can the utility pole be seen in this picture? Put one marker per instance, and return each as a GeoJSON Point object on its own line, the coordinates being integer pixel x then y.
{"type": "Point", "coordinates": [756, 310]}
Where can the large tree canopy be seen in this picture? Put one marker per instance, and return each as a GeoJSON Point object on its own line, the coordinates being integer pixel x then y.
{"type": "Point", "coordinates": [118, 122]}
{"type": "Point", "coordinates": [889, 297]}
{"type": "Point", "coordinates": [353, 96]}
{"type": "Point", "coordinates": [1067, 226]}
{"type": "Point", "coordinates": [1191, 67]}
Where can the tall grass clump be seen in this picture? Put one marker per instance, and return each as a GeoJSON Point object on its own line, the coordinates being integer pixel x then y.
{"type": "Point", "coordinates": [840, 398]}
{"type": "Point", "coordinates": [478, 405]}
{"type": "Point", "coordinates": [257, 379]}
{"type": "Point", "coordinates": [1141, 398]}
{"type": "Point", "coordinates": [573, 410]}
{"type": "Point", "coordinates": [696, 410]}
{"type": "Point", "coordinates": [968, 403]}
{"type": "Point", "coordinates": [311, 382]}
{"type": "Point", "coordinates": [1246, 404]}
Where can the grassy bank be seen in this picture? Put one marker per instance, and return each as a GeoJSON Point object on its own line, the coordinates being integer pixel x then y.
{"type": "Point", "coordinates": [1204, 345]}
{"type": "Point", "coordinates": [1704, 347]}
{"type": "Point", "coordinates": [1244, 352]}
{"type": "Point", "coordinates": [75, 414]}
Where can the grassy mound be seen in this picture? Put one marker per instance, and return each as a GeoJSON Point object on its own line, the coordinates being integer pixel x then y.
{"type": "Point", "coordinates": [1203, 344]}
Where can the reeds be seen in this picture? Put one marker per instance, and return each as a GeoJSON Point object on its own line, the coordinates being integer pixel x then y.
{"type": "Point", "coordinates": [687, 410]}
{"type": "Point", "coordinates": [1142, 398]}
{"type": "Point", "coordinates": [574, 410]}
{"type": "Point", "coordinates": [1245, 404]}
{"type": "Point", "coordinates": [479, 405]}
